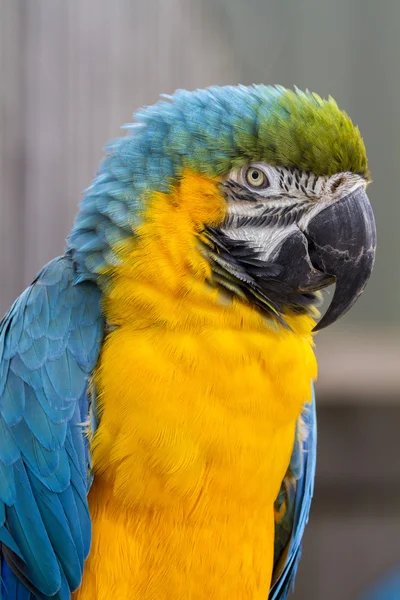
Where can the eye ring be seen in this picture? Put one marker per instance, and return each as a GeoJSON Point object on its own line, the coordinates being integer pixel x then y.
{"type": "Point", "coordinates": [256, 178]}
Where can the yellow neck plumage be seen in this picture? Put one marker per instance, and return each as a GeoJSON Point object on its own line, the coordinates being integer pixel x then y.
{"type": "Point", "coordinates": [162, 275]}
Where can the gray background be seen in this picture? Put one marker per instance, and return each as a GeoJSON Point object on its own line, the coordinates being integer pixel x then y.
{"type": "Point", "coordinates": [72, 72]}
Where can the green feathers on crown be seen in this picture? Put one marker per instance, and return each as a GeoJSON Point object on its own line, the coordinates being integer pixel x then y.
{"type": "Point", "coordinates": [306, 132]}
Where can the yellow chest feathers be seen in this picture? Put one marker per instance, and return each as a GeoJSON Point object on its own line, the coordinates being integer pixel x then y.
{"type": "Point", "coordinates": [198, 398]}
{"type": "Point", "coordinates": [192, 386]}
{"type": "Point", "coordinates": [177, 406]}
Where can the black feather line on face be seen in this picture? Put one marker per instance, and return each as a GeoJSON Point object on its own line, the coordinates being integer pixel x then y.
{"type": "Point", "coordinates": [264, 213]}
{"type": "Point", "coordinates": [235, 192]}
{"type": "Point", "coordinates": [238, 269]}
{"type": "Point", "coordinates": [271, 216]}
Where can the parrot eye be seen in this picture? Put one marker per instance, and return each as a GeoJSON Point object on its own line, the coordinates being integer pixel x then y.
{"type": "Point", "coordinates": [256, 178]}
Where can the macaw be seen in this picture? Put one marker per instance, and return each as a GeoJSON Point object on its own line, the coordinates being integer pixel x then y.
{"type": "Point", "coordinates": [157, 420]}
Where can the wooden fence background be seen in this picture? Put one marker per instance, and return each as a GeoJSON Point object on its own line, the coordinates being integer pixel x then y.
{"type": "Point", "coordinates": [72, 72]}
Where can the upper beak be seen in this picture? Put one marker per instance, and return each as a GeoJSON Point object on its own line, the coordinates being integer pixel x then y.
{"type": "Point", "coordinates": [342, 242]}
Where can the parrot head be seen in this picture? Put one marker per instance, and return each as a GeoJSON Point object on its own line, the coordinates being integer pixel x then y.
{"type": "Point", "coordinates": [292, 171]}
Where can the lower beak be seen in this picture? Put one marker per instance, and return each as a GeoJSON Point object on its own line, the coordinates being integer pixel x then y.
{"type": "Point", "coordinates": [342, 242]}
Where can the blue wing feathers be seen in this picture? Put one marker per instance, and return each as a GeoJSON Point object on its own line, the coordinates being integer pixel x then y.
{"type": "Point", "coordinates": [17, 367]}
{"type": "Point", "coordinates": [297, 490]}
{"type": "Point", "coordinates": [49, 344]}
{"type": "Point", "coordinates": [57, 525]}
{"type": "Point", "coordinates": [13, 400]}
{"type": "Point", "coordinates": [7, 488]}
{"type": "Point", "coordinates": [11, 586]}
{"type": "Point", "coordinates": [37, 354]}
{"type": "Point", "coordinates": [67, 500]}
{"type": "Point", "coordinates": [42, 461]}
{"type": "Point", "coordinates": [9, 451]}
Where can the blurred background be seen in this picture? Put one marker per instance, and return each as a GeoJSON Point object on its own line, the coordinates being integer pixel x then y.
{"type": "Point", "coordinates": [72, 72]}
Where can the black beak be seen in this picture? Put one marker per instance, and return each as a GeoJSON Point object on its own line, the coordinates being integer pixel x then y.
{"type": "Point", "coordinates": [342, 241]}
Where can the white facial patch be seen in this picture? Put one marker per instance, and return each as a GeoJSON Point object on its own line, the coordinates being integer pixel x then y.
{"type": "Point", "coordinates": [288, 199]}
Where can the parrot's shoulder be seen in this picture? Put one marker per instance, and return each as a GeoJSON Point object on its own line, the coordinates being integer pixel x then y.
{"type": "Point", "coordinates": [293, 503]}
{"type": "Point", "coordinates": [49, 344]}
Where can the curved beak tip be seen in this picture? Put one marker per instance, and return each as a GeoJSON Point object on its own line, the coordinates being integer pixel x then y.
{"type": "Point", "coordinates": [344, 238]}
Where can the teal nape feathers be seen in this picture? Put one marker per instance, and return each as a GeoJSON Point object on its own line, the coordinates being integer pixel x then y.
{"type": "Point", "coordinates": [157, 416]}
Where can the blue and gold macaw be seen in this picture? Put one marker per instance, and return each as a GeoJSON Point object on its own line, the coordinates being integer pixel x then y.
{"type": "Point", "coordinates": [157, 424]}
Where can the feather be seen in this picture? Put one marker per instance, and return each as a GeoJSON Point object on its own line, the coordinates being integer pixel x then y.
{"type": "Point", "coordinates": [57, 527]}
{"type": "Point", "coordinates": [297, 490]}
{"type": "Point", "coordinates": [9, 451]}
{"type": "Point", "coordinates": [24, 520]}
{"type": "Point", "coordinates": [12, 588]}
{"type": "Point", "coordinates": [7, 488]}
{"type": "Point", "coordinates": [12, 402]}
{"type": "Point", "coordinates": [67, 378]}
{"type": "Point", "coordinates": [51, 435]}
{"type": "Point", "coordinates": [51, 338]}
